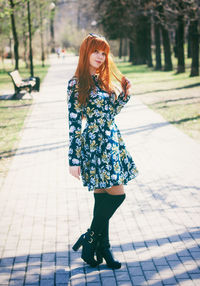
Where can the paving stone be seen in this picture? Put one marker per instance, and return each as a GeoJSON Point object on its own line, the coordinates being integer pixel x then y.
{"type": "Point", "coordinates": [135, 271]}
{"type": "Point", "coordinates": [5, 277]}
{"type": "Point", "coordinates": [17, 275]}
{"type": "Point", "coordinates": [187, 260]}
{"type": "Point", "coordinates": [195, 276]}
{"type": "Point", "coordinates": [93, 279]}
{"type": "Point", "coordinates": [196, 255]}
{"type": "Point", "coordinates": [93, 284]}
{"type": "Point", "coordinates": [147, 265]}
{"type": "Point", "coordinates": [62, 278]}
{"type": "Point", "coordinates": [138, 280]}
{"type": "Point", "coordinates": [16, 282]}
{"type": "Point", "coordinates": [122, 276]}
{"type": "Point", "coordinates": [6, 261]}
{"type": "Point", "coordinates": [19, 266]}
{"type": "Point", "coordinates": [124, 283]}
{"type": "Point", "coordinates": [32, 278]}
{"type": "Point", "coordinates": [77, 283]}
{"type": "Point", "coordinates": [169, 281]}
{"type": "Point", "coordinates": [149, 275]}
{"type": "Point", "coordinates": [183, 275]}
{"type": "Point", "coordinates": [107, 281]}
{"type": "Point", "coordinates": [47, 274]}
{"type": "Point", "coordinates": [46, 282]}
{"type": "Point", "coordinates": [160, 261]}
{"type": "Point", "coordinates": [62, 254]}
{"type": "Point", "coordinates": [5, 270]}
{"type": "Point", "coordinates": [48, 256]}
{"type": "Point", "coordinates": [63, 261]}
{"type": "Point", "coordinates": [155, 283]}
{"type": "Point", "coordinates": [21, 259]}
{"type": "Point", "coordinates": [32, 284]}
{"type": "Point", "coordinates": [185, 282]}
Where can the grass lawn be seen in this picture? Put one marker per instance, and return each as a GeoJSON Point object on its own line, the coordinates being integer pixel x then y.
{"type": "Point", "coordinates": [12, 116]}
{"type": "Point", "coordinates": [175, 96]}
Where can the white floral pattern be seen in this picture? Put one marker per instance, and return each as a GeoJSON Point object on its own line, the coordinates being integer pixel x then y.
{"type": "Point", "coordinates": [99, 150]}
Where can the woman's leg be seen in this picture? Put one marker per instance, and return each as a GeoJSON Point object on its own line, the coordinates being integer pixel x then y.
{"type": "Point", "coordinates": [100, 191]}
{"type": "Point", "coordinates": [106, 203]}
{"type": "Point", "coordinates": [115, 190]}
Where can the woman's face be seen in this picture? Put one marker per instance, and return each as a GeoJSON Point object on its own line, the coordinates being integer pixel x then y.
{"type": "Point", "coordinates": [97, 58]}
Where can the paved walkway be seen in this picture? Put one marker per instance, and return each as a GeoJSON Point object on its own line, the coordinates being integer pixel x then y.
{"type": "Point", "coordinates": [155, 233]}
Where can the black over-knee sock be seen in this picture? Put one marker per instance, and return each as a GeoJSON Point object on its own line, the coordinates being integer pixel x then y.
{"type": "Point", "coordinates": [105, 211]}
{"type": "Point", "coordinates": [99, 197]}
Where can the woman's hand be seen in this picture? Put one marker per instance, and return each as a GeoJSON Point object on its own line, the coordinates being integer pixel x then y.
{"type": "Point", "coordinates": [126, 86]}
{"type": "Point", "coordinates": [75, 171]}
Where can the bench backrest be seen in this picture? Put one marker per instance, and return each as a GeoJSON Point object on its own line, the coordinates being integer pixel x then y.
{"type": "Point", "coordinates": [16, 77]}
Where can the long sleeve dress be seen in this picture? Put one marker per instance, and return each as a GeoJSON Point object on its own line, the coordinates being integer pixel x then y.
{"type": "Point", "coordinates": [99, 150]}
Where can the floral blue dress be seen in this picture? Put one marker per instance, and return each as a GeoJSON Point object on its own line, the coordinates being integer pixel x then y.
{"type": "Point", "coordinates": [99, 149]}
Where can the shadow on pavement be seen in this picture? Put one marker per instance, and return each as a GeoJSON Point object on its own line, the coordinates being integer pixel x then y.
{"type": "Point", "coordinates": [34, 149]}
{"type": "Point", "coordinates": [39, 267]}
{"type": "Point", "coordinates": [168, 89]}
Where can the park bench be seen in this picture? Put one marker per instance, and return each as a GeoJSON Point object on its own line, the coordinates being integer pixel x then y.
{"type": "Point", "coordinates": [30, 84]}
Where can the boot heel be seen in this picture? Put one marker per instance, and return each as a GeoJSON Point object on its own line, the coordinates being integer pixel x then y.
{"type": "Point", "coordinates": [99, 257]}
{"type": "Point", "coordinates": [78, 244]}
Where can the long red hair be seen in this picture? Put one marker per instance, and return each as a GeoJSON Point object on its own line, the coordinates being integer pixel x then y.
{"type": "Point", "coordinates": [107, 72]}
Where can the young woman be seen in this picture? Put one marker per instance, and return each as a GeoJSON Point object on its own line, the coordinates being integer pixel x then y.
{"type": "Point", "coordinates": [98, 154]}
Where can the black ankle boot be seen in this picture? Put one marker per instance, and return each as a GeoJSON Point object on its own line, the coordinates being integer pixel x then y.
{"type": "Point", "coordinates": [88, 242]}
{"type": "Point", "coordinates": [103, 251]}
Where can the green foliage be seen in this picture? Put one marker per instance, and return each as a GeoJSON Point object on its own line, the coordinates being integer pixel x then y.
{"type": "Point", "coordinates": [38, 8]}
{"type": "Point", "coordinates": [113, 15]}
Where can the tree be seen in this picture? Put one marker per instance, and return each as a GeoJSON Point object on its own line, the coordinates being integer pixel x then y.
{"type": "Point", "coordinates": [180, 44]}
{"type": "Point", "coordinates": [149, 53]}
{"type": "Point", "coordinates": [183, 11]}
{"type": "Point", "coordinates": [165, 35]}
{"type": "Point", "coordinates": [194, 47]}
{"type": "Point", "coordinates": [5, 37]}
{"type": "Point", "coordinates": [14, 32]}
{"type": "Point", "coordinates": [30, 39]}
{"type": "Point", "coordinates": [157, 43]}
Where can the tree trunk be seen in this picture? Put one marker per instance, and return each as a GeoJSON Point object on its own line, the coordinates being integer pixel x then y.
{"type": "Point", "coordinates": [11, 53]}
{"type": "Point", "coordinates": [140, 49]}
{"type": "Point", "coordinates": [176, 44]}
{"type": "Point", "coordinates": [165, 39]}
{"type": "Point", "coordinates": [15, 37]}
{"type": "Point", "coordinates": [125, 49]}
{"type": "Point", "coordinates": [2, 58]}
{"type": "Point", "coordinates": [194, 48]}
{"type": "Point", "coordinates": [167, 49]}
{"type": "Point", "coordinates": [52, 31]}
{"type": "Point", "coordinates": [24, 37]}
{"type": "Point", "coordinates": [25, 48]}
{"type": "Point", "coordinates": [30, 39]}
{"type": "Point", "coordinates": [42, 37]}
{"type": "Point", "coordinates": [180, 45]}
{"type": "Point", "coordinates": [131, 51]}
{"type": "Point", "coordinates": [149, 55]}
{"type": "Point", "coordinates": [78, 18]}
{"type": "Point", "coordinates": [120, 48]}
{"type": "Point", "coordinates": [157, 44]}
{"type": "Point", "coordinates": [189, 54]}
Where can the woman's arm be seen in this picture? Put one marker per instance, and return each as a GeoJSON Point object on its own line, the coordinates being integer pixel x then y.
{"type": "Point", "coordinates": [123, 97]}
{"type": "Point", "coordinates": [75, 124]}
